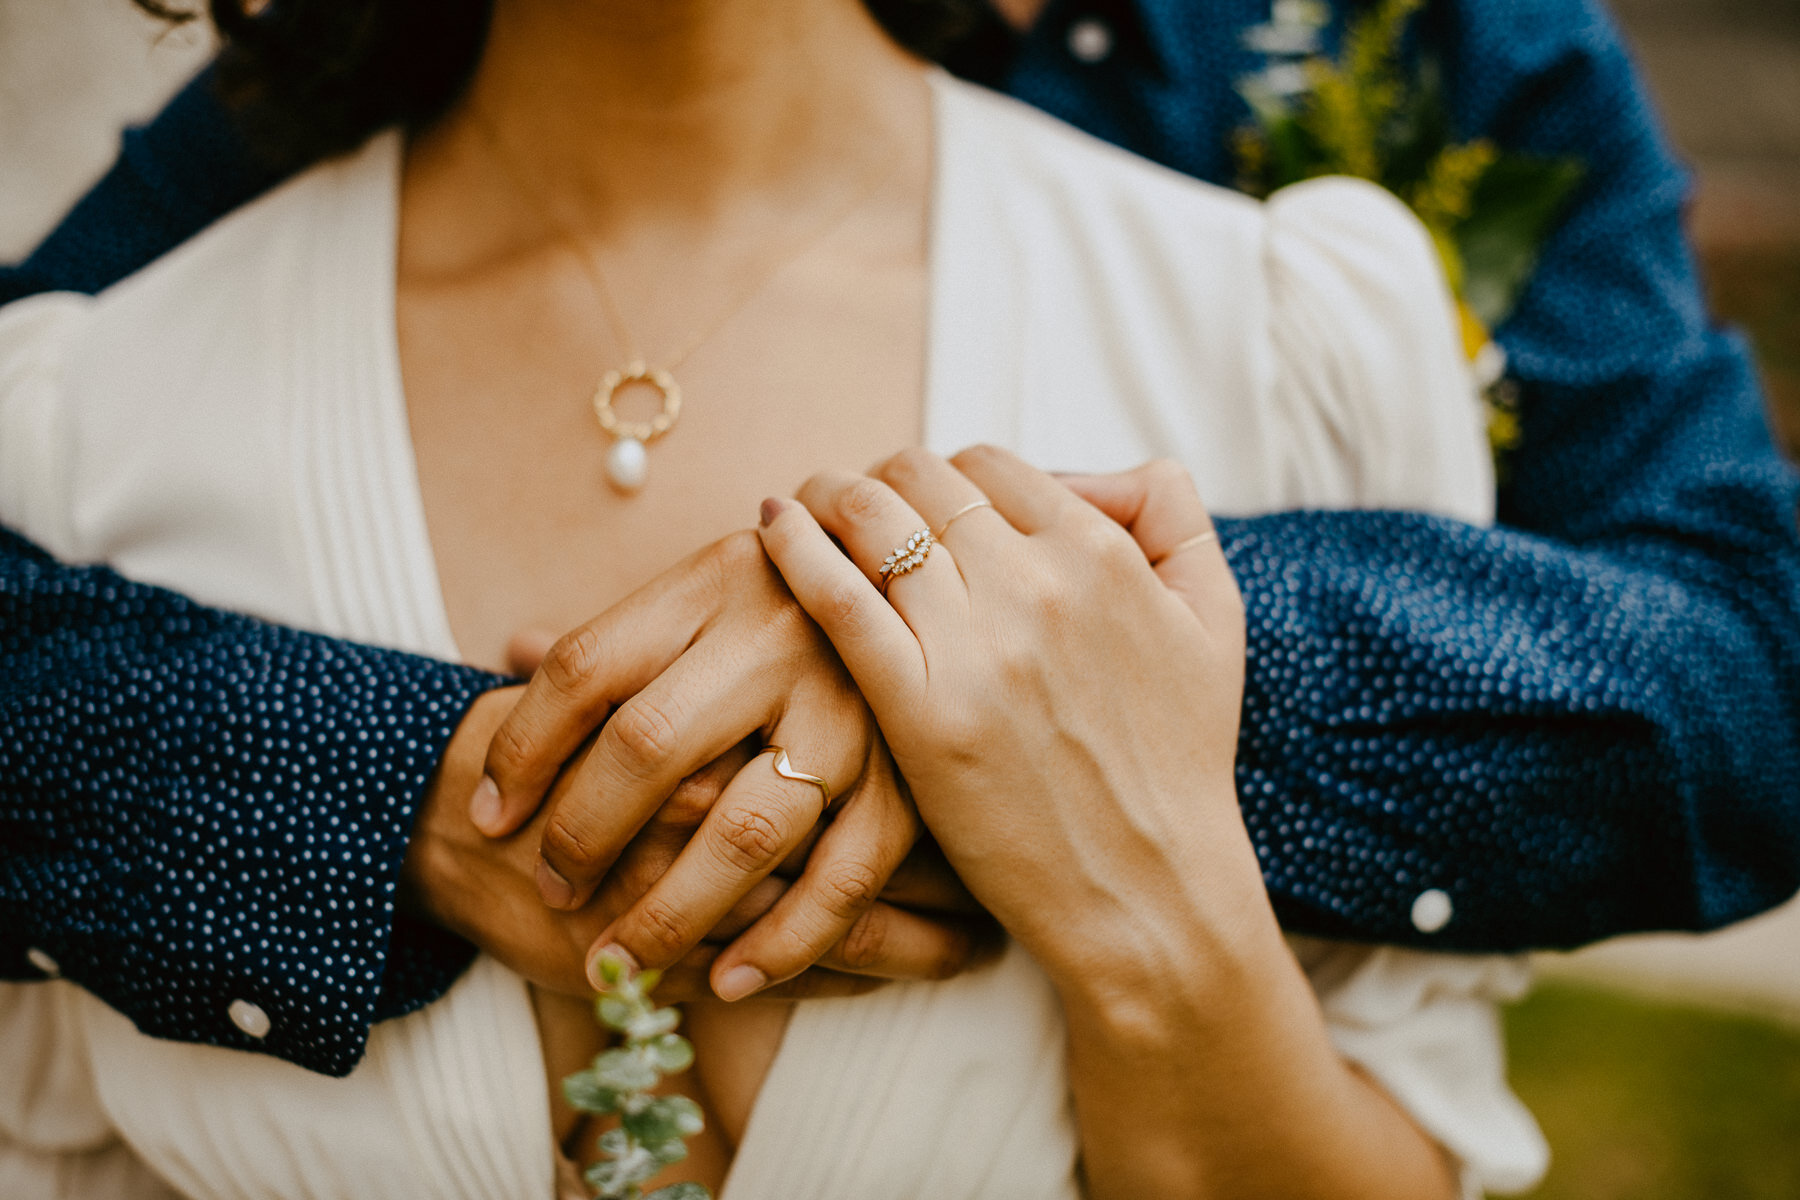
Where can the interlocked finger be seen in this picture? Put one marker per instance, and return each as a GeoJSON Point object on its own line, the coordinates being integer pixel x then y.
{"type": "Point", "coordinates": [843, 879]}
{"type": "Point", "coordinates": [755, 825]}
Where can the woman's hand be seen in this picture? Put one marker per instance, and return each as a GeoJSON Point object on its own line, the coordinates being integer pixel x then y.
{"type": "Point", "coordinates": [1067, 721]}
{"type": "Point", "coordinates": [677, 814]}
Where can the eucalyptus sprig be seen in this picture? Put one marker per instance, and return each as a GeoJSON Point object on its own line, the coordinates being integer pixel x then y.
{"type": "Point", "coordinates": [653, 1130]}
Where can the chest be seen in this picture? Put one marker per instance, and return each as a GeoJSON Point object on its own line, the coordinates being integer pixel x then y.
{"type": "Point", "coordinates": [823, 368]}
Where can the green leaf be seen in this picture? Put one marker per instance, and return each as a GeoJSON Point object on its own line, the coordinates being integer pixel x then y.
{"type": "Point", "coordinates": [671, 1053]}
{"type": "Point", "coordinates": [625, 1071]}
{"type": "Point", "coordinates": [587, 1093]}
{"type": "Point", "coordinates": [613, 1012]}
{"type": "Point", "coordinates": [652, 1024]}
{"type": "Point", "coordinates": [687, 1190]}
{"type": "Point", "coordinates": [664, 1119]}
{"type": "Point", "coordinates": [1514, 212]}
{"type": "Point", "coordinates": [612, 970]}
{"type": "Point", "coordinates": [619, 1177]}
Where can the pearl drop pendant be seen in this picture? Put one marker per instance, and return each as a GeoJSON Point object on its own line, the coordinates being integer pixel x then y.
{"type": "Point", "coordinates": [627, 465]}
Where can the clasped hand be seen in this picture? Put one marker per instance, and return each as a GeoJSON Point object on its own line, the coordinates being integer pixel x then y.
{"type": "Point", "coordinates": [629, 781]}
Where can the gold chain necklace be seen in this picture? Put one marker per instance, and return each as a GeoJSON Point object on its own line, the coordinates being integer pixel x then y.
{"type": "Point", "coordinates": [627, 459]}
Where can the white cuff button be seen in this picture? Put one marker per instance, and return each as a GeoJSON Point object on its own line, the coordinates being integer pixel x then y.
{"type": "Point", "coordinates": [249, 1018]}
{"type": "Point", "coordinates": [1090, 40]}
{"type": "Point", "coordinates": [44, 963]}
{"type": "Point", "coordinates": [1432, 911]}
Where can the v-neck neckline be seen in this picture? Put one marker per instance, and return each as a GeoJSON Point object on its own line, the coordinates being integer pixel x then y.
{"type": "Point", "coordinates": [967, 370]}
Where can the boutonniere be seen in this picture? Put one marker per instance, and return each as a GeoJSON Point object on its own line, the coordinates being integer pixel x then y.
{"type": "Point", "coordinates": [1372, 114]}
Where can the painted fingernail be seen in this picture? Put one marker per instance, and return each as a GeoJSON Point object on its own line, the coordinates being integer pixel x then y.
{"type": "Point", "coordinates": [770, 510]}
{"type": "Point", "coordinates": [596, 965]}
{"type": "Point", "coordinates": [556, 891]}
{"type": "Point", "coordinates": [740, 981]}
{"type": "Point", "coordinates": [484, 806]}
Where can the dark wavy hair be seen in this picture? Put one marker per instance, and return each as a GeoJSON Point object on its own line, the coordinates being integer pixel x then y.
{"type": "Point", "coordinates": [312, 78]}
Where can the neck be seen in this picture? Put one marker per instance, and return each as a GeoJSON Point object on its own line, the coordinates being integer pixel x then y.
{"type": "Point", "coordinates": [681, 105]}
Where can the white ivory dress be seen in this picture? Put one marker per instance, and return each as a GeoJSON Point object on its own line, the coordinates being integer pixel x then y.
{"type": "Point", "coordinates": [230, 422]}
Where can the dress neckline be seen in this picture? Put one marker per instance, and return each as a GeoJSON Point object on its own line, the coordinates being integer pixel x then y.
{"type": "Point", "coordinates": [967, 362]}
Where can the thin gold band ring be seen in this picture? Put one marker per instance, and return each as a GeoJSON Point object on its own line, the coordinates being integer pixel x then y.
{"type": "Point", "coordinates": [964, 511]}
{"type": "Point", "coordinates": [786, 770]}
{"type": "Point", "coordinates": [1199, 539]}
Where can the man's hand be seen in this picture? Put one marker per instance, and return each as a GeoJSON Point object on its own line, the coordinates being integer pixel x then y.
{"type": "Point", "coordinates": [485, 890]}
{"type": "Point", "coordinates": [637, 753]}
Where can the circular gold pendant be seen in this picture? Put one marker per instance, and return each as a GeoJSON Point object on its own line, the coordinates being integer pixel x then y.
{"type": "Point", "coordinates": [627, 464]}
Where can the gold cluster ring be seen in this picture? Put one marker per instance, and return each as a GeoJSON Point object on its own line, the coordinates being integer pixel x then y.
{"type": "Point", "coordinates": [906, 559]}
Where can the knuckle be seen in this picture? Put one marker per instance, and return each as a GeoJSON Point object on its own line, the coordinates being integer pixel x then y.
{"type": "Point", "coordinates": [850, 887]}
{"type": "Point", "coordinates": [568, 846]}
{"type": "Point", "coordinates": [906, 467]}
{"type": "Point", "coordinates": [1165, 471]}
{"type": "Point", "coordinates": [691, 800]}
{"type": "Point", "coordinates": [643, 734]}
{"type": "Point", "coordinates": [739, 550]}
{"type": "Point", "coordinates": [632, 879]}
{"type": "Point", "coordinates": [749, 839]}
{"type": "Point", "coordinates": [841, 606]}
{"type": "Point", "coordinates": [573, 659]}
{"type": "Point", "coordinates": [862, 500]}
{"type": "Point", "coordinates": [977, 455]}
{"type": "Point", "coordinates": [865, 944]}
{"type": "Point", "coordinates": [659, 934]}
{"type": "Point", "coordinates": [512, 748]}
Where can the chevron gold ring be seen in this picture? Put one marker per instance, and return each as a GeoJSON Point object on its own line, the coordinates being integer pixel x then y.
{"type": "Point", "coordinates": [786, 770]}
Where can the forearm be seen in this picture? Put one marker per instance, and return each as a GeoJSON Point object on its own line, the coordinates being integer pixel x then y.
{"type": "Point", "coordinates": [1200, 1064]}
{"type": "Point", "coordinates": [196, 807]}
{"type": "Point", "coordinates": [1570, 740]}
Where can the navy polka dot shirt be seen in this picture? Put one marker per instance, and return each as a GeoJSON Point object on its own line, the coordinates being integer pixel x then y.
{"type": "Point", "coordinates": [1584, 722]}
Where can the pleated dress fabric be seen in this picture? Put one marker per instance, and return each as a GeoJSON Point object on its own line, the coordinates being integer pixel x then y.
{"type": "Point", "coordinates": [231, 422]}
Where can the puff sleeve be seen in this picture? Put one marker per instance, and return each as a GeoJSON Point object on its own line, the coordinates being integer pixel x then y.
{"type": "Point", "coordinates": [1372, 397]}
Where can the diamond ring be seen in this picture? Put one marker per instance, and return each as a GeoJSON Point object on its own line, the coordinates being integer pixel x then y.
{"type": "Point", "coordinates": [907, 558]}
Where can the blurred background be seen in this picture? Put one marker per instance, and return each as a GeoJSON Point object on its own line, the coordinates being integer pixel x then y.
{"type": "Point", "coordinates": [1662, 1068]}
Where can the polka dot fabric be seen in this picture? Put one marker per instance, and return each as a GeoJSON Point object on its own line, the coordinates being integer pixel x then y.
{"type": "Point", "coordinates": [199, 809]}
{"type": "Point", "coordinates": [1579, 725]}
{"type": "Point", "coordinates": [1584, 722]}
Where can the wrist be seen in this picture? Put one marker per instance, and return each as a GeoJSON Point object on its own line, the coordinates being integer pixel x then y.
{"type": "Point", "coordinates": [1188, 939]}
{"type": "Point", "coordinates": [429, 874]}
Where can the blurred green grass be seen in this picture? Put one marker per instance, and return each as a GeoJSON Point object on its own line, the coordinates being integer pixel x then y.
{"type": "Point", "coordinates": [1648, 1101]}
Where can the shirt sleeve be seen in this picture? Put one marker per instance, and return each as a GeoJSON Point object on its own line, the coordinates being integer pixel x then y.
{"type": "Point", "coordinates": [1581, 722]}
{"type": "Point", "coordinates": [1375, 403]}
{"type": "Point", "coordinates": [173, 177]}
{"type": "Point", "coordinates": [202, 816]}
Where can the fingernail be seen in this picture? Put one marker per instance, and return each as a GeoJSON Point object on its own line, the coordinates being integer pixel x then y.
{"type": "Point", "coordinates": [770, 510]}
{"type": "Point", "coordinates": [740, 981]}
{"type": "Point", "coordinates": [556, 891]}
{"type": "Point", "coordinates": [609, 950]}
{"type": "Point", "coordinates": [484, 805]}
